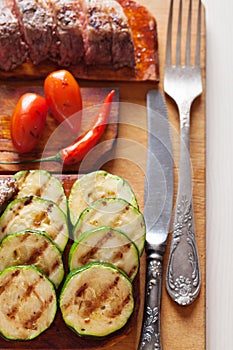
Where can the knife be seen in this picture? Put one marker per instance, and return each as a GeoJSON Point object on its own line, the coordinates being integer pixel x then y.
{"type": "Point", "coordinates": [158, 199]}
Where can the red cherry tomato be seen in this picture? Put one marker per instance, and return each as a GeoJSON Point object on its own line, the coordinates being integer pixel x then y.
{"type": "Point", "coordinates": [64, 99]}
{"type": "Point", "coordinates": [27, 121]}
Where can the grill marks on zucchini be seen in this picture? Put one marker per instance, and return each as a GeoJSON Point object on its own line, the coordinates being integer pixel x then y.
{"type": "Point", "coordinates": [86, 308]}
{"type": "Point", "coordinates": [105, 245]}
{"type": "Point", "coordinates": [116, 213]}
{"type": "Point", "coordinates": [84, 259]}
{"type": "Point", "coordinates": [33, 308]}
{"type": "Point", "coordinates": [36, 253]}
{"type": "Point", "coordinates": [96, 185]}
{"type": "Point", "coordinates": [14, 309]}
{"type": "Point", "coordinates": [42, 184]}
{"type": "Point", "coordinates": [37, 214]}
{"type": "Point", "coordinates": [32, 248]}
{"type": "Point", "coordinates": [96, 299]}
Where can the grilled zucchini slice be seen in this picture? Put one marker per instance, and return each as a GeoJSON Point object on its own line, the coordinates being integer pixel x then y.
{"type": "Point", "coordinates": [116, 213]}
{"type": "Point", "coordinates": [36, 214]}
{"type": "Point", "coordinates": [105, 244]}
{"type": "Point", "coordinates": [27, 302]}
{"type": "Point", "coordinates": [96, 300]}
{"type": "Point", "coordinates": [32, 248]}
{"type": "Point", "coordinates": [42, 184]}
{"type": "Point", "coordinates": [96, 185]}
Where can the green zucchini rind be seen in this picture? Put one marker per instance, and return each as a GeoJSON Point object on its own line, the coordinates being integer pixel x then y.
{"type": "Point", "coordinates": [96, 185]}
{"type": "Point", "coordinates": [28, 303]}
{"type": "Point", "coordinates": [36, 214]}
{"type": "Point", "coordinates": [42, 184]}
{"type": "Point", "coordinates": [96, 300]}
{"type": "Point", "coordinates": [105, 244]}
{"type": "Point", "coordinates": [32, 248]}
{"type": "Point", "coordinates": [116, 213]}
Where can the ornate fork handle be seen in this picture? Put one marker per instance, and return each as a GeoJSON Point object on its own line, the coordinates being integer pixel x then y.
{"type": "Point", "coordinates": [150, 335]}
{"type": "Point", "coordinates": [183, 272]}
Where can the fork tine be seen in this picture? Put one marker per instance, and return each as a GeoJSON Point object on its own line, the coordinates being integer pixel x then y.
{"type": "Point", "coordinates": [178, 43]}
{"type": "Point", "coordinates": [169, 36]}
{"type": "Point", "coordinates": [188, 38]}
{"type": "Point", "coordinates": [198, 42]}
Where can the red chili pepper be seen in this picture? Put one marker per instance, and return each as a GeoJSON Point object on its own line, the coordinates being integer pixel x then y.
{"type": "Point", "coordinates": [79, 148]}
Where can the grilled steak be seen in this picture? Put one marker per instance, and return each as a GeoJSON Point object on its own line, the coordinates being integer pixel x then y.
{"type": "Point", "coordinates": [68, 48]}
{"type": "Point", "coordinates": [12, 48]}
{"type": "Point", "coordinates": [95, 32]}
{"type": "Point", "coordinates": [108, 38]}
{"type": "Point", "coordinates": [37, 26]}
{"type": "Point", "coordinates": [8, 189]}
{"type": "Point", "coordinates": [122, 42]}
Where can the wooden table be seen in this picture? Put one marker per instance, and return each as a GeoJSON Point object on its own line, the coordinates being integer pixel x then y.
{"type": "Point", "coordinates": [181, 327]}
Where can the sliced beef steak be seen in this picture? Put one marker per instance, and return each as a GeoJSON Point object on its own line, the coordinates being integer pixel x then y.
{"type": "Point", "coordinates": [65, 31]}
{"type": "Point", "coordinates": [122, 39]}
{"type": "Point", "coordinates": [13, 51]}
{"type": "Point", "coordinates": [97, 33]}
{"type": "Point", "coordinates": [107, 36]}
{"type": "Point", "coordinates": [37, 26]}
{"type": "Point", "coordinates": [68, 48]}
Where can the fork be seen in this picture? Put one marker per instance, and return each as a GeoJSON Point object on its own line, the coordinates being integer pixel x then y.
{"type": "Point", "coordinates": [183, 83]}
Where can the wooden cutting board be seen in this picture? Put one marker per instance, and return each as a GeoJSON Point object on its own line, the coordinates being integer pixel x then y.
{"type": "Point", "coordinates": [55, 136]}
{"type": "Point", "coordinates": [182, 328]}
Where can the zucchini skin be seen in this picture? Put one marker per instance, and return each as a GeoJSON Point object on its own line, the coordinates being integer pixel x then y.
{"type": "Point", "coordinates": [14, 271]}
{"type": "Point", "coordinates": [34, 255]}
{"type": "Point", "coordinates": [96, 183]}
{"type": "Point", "coordinates": [26, 181]}
{"type": "Point", "coordinates": [99, 210]}
{"type": "Point", "coordinates": [12, 221]}
{"type": "Point", "coordinates": [81, 270]}
{"type": "Point", "coordinates": [103, 252]}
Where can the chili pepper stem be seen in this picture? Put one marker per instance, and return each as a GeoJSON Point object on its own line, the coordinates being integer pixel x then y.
{"type": "Point", "coordinates": [56, 158]}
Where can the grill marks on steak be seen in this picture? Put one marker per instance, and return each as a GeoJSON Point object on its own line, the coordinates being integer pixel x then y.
{"type": "Point", "coordinates": [68, 47]}
{"type": "Point", "coordinates": [12, 47]}
{"type": "Point", "coordinates": [37, 26]}
{"type": "Point", "coordinates": [108, 38]}
{"type": "Point", "coordinates": [95, 32]}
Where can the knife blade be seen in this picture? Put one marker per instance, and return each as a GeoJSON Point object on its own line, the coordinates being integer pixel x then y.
{"type": "Point", "coordinates": [158, 200]}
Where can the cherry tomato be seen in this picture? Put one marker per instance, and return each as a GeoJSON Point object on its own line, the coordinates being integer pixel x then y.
{"type": "Point", "coordinates": [27, 121]}
{"type": "Point", "coordinates": [64, 99]}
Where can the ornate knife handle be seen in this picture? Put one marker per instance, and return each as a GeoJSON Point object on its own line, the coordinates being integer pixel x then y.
{"type": "Point", "coordinates": [183, 272]}
{"type": "Point", "coordinates": [150, 335]}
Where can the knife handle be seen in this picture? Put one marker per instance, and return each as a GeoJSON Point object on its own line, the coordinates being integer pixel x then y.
{"type": "Point", "coordinates": [150, 334]}
{"type": "Point", "coordinates": [183, 272]}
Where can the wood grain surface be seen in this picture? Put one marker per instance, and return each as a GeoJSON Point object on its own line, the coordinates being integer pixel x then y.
{"type": "Point", "coordinates": [55, 136]}
{"type": "Point", "coordinates": [182, 328]}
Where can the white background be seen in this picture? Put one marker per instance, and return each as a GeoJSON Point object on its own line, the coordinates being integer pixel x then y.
{"type": "Point", "coordinates": [219, 20]}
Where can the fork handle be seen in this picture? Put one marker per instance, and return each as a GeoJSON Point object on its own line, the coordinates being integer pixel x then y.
{"type": "Point", "coordinates": [150, 334]}
{"type": "Point", "coordinates": [183, 271]}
